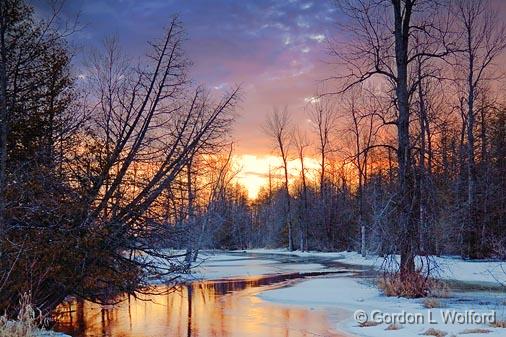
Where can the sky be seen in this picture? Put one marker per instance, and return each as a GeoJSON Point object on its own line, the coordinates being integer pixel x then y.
{"type": "Point", "coordinates": [276, 51]}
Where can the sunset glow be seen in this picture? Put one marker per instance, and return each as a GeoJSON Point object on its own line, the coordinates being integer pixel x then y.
{"type": "Point", "coordinates": [254, 171]}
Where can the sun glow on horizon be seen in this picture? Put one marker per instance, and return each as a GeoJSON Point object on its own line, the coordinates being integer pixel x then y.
{"type": "Point", "coordinates": [254, 170]}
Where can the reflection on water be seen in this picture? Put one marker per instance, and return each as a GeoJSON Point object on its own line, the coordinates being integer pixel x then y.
{"type": "Point", "coordinates": [203, 309]}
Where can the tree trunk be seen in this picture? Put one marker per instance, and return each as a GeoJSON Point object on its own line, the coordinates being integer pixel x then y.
{"type": "Point", "coordinates": [408, 230]}
{"type": "Point", "coordinates": [3, 113]}
{"type": "Point", "coordinates": [363, 249]}
{"type": "Point", "coordinates": [471, 233]}
{"type": "Point", "coordinates": [288, 205]}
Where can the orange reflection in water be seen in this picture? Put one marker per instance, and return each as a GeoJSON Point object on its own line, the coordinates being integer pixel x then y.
{"type": "Point", "coordinates": [205, 309]}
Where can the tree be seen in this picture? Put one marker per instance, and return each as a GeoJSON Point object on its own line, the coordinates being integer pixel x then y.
{"type": "Point", "coordinates": [363, 129]}
{"type": "Point", "coordinates": [82, 196]}
{"type": "Point", "coordinates": [301, 144]}
{"type": "Point", "coordinates": [322, 113]}
{"type": "Point", "coordinates": [153, 120]}
{"type": "Point", "coordinates": [38, 120]}
{"type": "Point", "coordinates": [377, 53]}
{"type": "Point", "coordinates": [277, 127]}
{"type": "Point", "coordinates": [483, 41]}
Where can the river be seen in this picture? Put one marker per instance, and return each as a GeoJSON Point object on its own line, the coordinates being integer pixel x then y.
{"type": "Point", "coordinates": [225, 307]}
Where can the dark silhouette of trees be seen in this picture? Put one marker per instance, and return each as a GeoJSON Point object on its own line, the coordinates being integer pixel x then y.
{"type": "Point", "coordinates": [82, 178]}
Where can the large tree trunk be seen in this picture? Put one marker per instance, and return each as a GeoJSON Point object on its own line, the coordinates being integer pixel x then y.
{"type": "Point", "coordinates": [421, 177]}
{"type": "Point", "coordinates": [471, 166]}
{"type": "Point", "coordinates": [402, 16]}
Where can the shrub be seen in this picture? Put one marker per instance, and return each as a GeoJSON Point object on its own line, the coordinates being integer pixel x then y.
{"type": "Point", "coordinates": [434, 332]}
{"type": "Point", "coordinates": [414, 285]}
{"type": "Point", "coordinates": [394, 326]}
{"type": "Point", "coordinates": [26, 323]}
{"type": "Point", "coordinates": [431, 303]}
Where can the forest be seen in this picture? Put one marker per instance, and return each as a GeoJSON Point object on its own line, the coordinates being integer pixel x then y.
{"type": "Point", "coordinates": [127, 173]}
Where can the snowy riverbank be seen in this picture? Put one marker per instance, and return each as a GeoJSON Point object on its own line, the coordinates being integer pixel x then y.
{"type": "Point", "coordinates": [450, 268]}
{"type": "Point", "coordinates": [334, 294]}
{"type": "Point", "coordinates": [327, 301]}
{"type": "Point", "coordinates": [355, 294]}
{"type": "Point", "coordinates": [352, 294]}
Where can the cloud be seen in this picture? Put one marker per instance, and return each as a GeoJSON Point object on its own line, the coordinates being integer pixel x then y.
{"type": "Point", "coordinates": [266, 45]}
{"type": "Point", "coordinates": [317, 37]}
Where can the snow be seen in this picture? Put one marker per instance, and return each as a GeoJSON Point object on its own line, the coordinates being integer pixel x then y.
{"type": "Point", "coordinates": [353, 294]}
{"type": "Point", "coordinates": [472, 271]}
{"type": "Point", "coordinates": [450, 268]}
{"type": "Point", "coordinates": [338, 295]}
{"type": "Point", "coordinates": [213, 266]}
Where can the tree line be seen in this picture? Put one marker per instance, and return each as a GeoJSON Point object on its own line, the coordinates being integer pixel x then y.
{"type": "Point", "coordinates": [409, 132]}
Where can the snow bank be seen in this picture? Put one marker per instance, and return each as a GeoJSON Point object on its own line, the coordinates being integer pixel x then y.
{"type": "Point", "coordinates": [336, 294]}
{"type": "Point", "coordinates": [450, 268]}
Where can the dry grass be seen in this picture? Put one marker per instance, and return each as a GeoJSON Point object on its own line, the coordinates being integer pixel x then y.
{"type": "Point", "coordinates": [468, 331]}
{"type": "Point", "coordinates": [431, 303]}
{"type": "Point", "coordinates": [439, 289]}
{"type": "Point", "coordinates": [499, 324]}
{"type": "Point", "coordinates": [434, 332]}
{"type": "Point", "coordinates": [394, 326]}
{"type": "Point", "coordinates": [368, 324]}
{"type": "Point", "coordinates": [26, 324]}
{"type": "Point", "coordinates": [415, 286]}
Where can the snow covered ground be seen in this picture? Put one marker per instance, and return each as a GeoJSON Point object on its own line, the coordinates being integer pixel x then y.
{"type": "Point", "coordinates": [450, 268]}
{"type": "Point", "coordinates": [351, 294]}
{"type": "Point", "coordinates": [341, 296]}
{"type": "Point", "coordinates": [355, 294]}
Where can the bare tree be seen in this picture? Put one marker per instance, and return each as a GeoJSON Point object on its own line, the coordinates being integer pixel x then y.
{"type": "Point", "coordinates": [301, 143]}
{"type": "Point", "coordinates": [483, 41]}
{"type": "Point", "coordinates": [377, 53]}
{"type": "Point", "coordinates": [364, 126]}
{"type": "Point", "coordinates": [323, 115]}
{"type": "Point", "coordinates": [149, 118]}
{"type": "Point", "coordinates": [278, 128]}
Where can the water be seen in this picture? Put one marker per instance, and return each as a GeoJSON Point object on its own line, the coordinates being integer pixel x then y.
{"type": "Point", "coordinates": [223, 308]}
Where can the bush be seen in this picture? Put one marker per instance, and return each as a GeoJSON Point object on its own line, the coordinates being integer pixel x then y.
{"type": "Point", "coordinates": [27, 322]}
{"type": "Point", "coordinates": [394, 326]}
{"type": "Point", "coordinates": [499, 324]}
{"type": "Point", "coordinates": [414, 285]}
{"type": "Point", "coordinates": [431, 303]}
{"type": "Point", "coordinates": [434, 332]}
